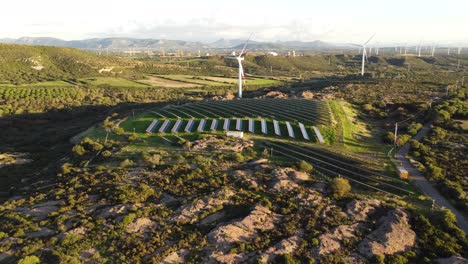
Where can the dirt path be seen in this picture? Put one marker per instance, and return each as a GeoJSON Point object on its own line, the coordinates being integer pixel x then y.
{"type": "Point", "coordinates": [423, 184]}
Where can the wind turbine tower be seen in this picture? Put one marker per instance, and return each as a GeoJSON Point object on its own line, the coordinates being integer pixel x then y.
{"type": "Point", "coordinates": [239, 59]}
{"type": "Point", "coordinates": [364, 53]}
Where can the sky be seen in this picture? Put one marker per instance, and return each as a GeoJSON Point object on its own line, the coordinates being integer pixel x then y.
{"type": "Point", "coordinates": [340, 21]}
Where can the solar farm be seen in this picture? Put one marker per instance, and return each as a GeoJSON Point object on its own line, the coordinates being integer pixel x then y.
{"type": "Point", "coordinates": [295, 118]}
{"type": "Point", "coordinates": [290, 128]}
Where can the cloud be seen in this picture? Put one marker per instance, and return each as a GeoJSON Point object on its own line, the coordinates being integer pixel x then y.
{"type": "Point", "coordinates": [209, 29]}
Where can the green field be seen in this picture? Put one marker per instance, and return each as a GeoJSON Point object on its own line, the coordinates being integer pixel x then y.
{"type": "Point", "coordinates": [112, 81]}
{"type": "Point", "coordinates": [218, 81]}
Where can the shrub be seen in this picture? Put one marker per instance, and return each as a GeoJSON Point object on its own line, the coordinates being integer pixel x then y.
{"type": "Point", "coordinates": [126, 163]}
{"type": "Point", "coordinates": [79, 150]}
{"type": "Point", "coordinates": [397, 259]}
{"type": "Point", "coordinates": [286, 259]}
{"type": "Point", "coordinates": [339, 187]}
{"type": "Point", "coordinates": [106, 153]}
{"type": "Point", "coordinates": [133, 137]}
{"type": "Point", "coordinates": [304, 166]}
{"type": "Point", "coordinates": [29, 260]}
{"type": "Point", "coordinates": [237, 157]}
{"type": "Point", "coordinates": [128, 219]}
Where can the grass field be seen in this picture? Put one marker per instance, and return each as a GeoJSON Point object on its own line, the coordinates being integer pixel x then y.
{"type": "Point", "coordinates": [112, 81]}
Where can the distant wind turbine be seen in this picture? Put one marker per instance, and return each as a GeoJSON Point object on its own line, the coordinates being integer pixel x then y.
{"type": "Point", "coordinates": [433, 50]}
{"type": "Point", "coordinates": [241, 69]}
{"type": "Point", "coordinates": [364, 53]}
{"type": "Point", "coordinates": [419, 49]}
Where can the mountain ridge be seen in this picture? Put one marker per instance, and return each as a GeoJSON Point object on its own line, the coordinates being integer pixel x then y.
{"type": "Point", "coordinates": [124, 43]}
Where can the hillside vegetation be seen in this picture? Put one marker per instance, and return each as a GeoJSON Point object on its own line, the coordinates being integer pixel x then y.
{"type": "Point", "coordinates": [29, 64]}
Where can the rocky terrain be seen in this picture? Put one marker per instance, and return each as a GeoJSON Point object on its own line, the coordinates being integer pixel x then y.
{"type": "Point", "coordinates": [209, 213]}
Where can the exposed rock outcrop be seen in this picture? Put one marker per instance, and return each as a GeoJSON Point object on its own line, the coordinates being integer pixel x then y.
{"type": "Point", "coordinates": [176, 257]}
{"type": "Point", "coordinates": [285, 246]}
{"type": "Point", "coordinates": [246, 177]}
{"type": "Point", "coordinates": [42, 210]}
{"type": "Point", "coordinates": [332, 241]}
{"type": "Point", "coordinates": [42, 232]}
{"type": "Point", "coordinates": [224, 237]}
{"type": "Point", "coordinates": [217, 143]}
{"type": "Point", "coordinates": [259, 219]}
{"type": "Point", "coordinates": [393, 235]}
{"type": "Point", "coordinates": [359, 210]}
{"type": "Point", "coordinates": [116, 210]}
{"type": "Point", "coordinates": [190, 212]}
{"type": "Point", "coordinates": [141, 225]}
{"type": "Point", "coordinates": [452, 260]}
{"type": "Point", "coordinates": [285, 179]}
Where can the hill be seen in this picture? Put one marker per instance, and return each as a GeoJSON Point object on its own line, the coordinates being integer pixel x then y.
{"type": "Point", "coordinates": [28, 64]}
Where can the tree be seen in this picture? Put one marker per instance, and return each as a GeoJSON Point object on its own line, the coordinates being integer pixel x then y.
{"type": "Point", "coordinates": [339, 187]}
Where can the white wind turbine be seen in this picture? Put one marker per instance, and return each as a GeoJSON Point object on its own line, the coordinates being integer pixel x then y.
{"type": "Point", "coordinates": [364, 53]}
{"type": "Point", "coordinates": [241, 69]}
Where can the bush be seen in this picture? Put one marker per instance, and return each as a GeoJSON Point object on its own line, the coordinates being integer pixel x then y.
{"type": "Point", "coordinates": [106, 153]}
{"type": "Point", "coordinates": [237, 157]}
{"type": "Point", "coordinates": [285, 259]}
{"type": "Point", "coordinates": [339, 187]}
{"type": "Point", "coordinates": [397, 259]}
{"type": "Point", "coordinates": [126, 163]}
{"type": "Point", "coordinates": [304, 166]}
{"type": "Point", "coordinates": [29, 260]}
{"type": "Point", "coordinates": [128, 219]}
{"type": "Point", "coordinates": [79, 150]}
{"type": "Point", "coordinates": [133, 137]}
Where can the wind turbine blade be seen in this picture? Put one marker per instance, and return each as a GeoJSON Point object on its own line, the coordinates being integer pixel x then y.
{"type": "Point", "coordinates": [356, 45]}
{"type": "Point", "coordinates": [245, 45]}
{"type": "Point", "coordinates": [370, 39]}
